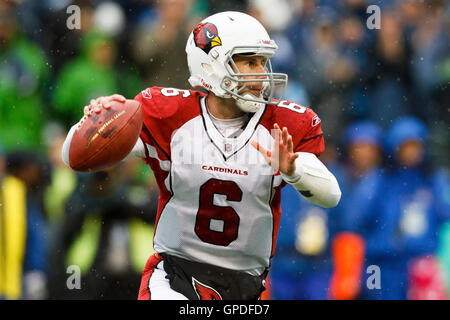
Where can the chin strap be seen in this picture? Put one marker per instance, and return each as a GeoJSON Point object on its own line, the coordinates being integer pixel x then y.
{"type": "Point", "coordinates": [246, 105]}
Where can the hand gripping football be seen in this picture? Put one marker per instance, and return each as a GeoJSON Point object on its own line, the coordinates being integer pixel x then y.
{"type": "Point", "coordinates": [105, 138]}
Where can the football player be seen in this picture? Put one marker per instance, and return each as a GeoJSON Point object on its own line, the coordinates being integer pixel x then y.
{"type": "Point", "coordinates": [220, 160]}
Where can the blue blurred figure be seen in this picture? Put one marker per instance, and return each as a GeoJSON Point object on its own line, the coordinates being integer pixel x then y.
{"type": "Point", "coordinates": [407, 213]}
{"type": "Point", "coordinates": [361, 179]}
{"type": "Point", "coordinates": [361, 174]}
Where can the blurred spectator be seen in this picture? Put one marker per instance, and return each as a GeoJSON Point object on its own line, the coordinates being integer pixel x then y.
{"type": "Point", "coordinates": [63, 180]}
{"type": "Point", "coordinates": [159, 45]}
{"type": "Point", "coordinates": [319, 53]}
{"type": "Point", "coordinates": [91, 75]}
{"type": "Point", "coordinates": [390, 80]}
{"type": "Point", "coordinates": [23, 229]}
{"type": "Point", "coordinates": [23, 74]}
{"type": "Point", "coordinates": [408, 217]}
{"type": "Point", "coordinates": [429, 40]}
{"type": "Point", "coordinates": [361, 175]}
{"type": "Point", "coordinates": [430, 36]}
{"type": "Point", "coordinates": [326, 64]}
{"type": "Point", "coordinates": [426, 279]}
{"type": "Point", "coordinates": [13, 233]}
{"type": "Point", "coordinates": [61, 43]}
{"type": "Point", "coordinates": [107, 232]}
{"type": "Point", "coordinates": [360, 179]}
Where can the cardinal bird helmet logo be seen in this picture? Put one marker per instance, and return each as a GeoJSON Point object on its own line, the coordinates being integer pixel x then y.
{"type": "Point", "coordinates": [206, 36]}
{"type": "Point", "coordinates": [204, 292]}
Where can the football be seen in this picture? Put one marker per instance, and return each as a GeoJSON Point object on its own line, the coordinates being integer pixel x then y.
{"type": "Point", "coordinates": [103, 139]}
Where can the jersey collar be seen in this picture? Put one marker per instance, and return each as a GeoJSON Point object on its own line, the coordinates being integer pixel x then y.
{"type": "Point", "coordinates": [229, 146]}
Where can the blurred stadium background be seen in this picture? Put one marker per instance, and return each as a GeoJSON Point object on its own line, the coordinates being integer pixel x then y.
{"type": "Point", "coordinates": [383, 97]}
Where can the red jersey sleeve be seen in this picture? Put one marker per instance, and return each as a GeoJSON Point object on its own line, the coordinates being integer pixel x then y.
{"type": "Point", "coordinates": [164, 111]}
{"type": "Point", "coordinates": [303, 125]}
{"type": "Point", "coordinates": [310, 139]}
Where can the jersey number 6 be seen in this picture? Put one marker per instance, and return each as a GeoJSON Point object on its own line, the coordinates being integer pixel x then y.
{"type": "Point", "coordinates": [172, 92]}
{"type": "Point", "coordinates": [224, 220]}
{"type": "Point", "coordinates": [292, 106]}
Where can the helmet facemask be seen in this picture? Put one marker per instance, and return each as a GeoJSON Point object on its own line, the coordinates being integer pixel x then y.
{"type": "Point", "coordinates": [235, 82]}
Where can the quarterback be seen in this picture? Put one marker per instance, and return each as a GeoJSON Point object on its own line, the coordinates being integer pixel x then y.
{"type": "Point", "coordinates": [220, 159]}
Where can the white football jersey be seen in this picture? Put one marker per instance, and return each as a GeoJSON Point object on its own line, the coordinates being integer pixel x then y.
{"type": "Point", "coordinates": [219, 200]}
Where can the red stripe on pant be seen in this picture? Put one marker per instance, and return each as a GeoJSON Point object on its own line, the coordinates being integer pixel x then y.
{"type": "Point", "coordinates": [144, 290]}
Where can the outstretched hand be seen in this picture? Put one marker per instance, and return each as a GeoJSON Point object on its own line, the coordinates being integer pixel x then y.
{"type": "Point", "coordinates": [282, 156]}
{"type": "Point", "coordinates": [96, 105]}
